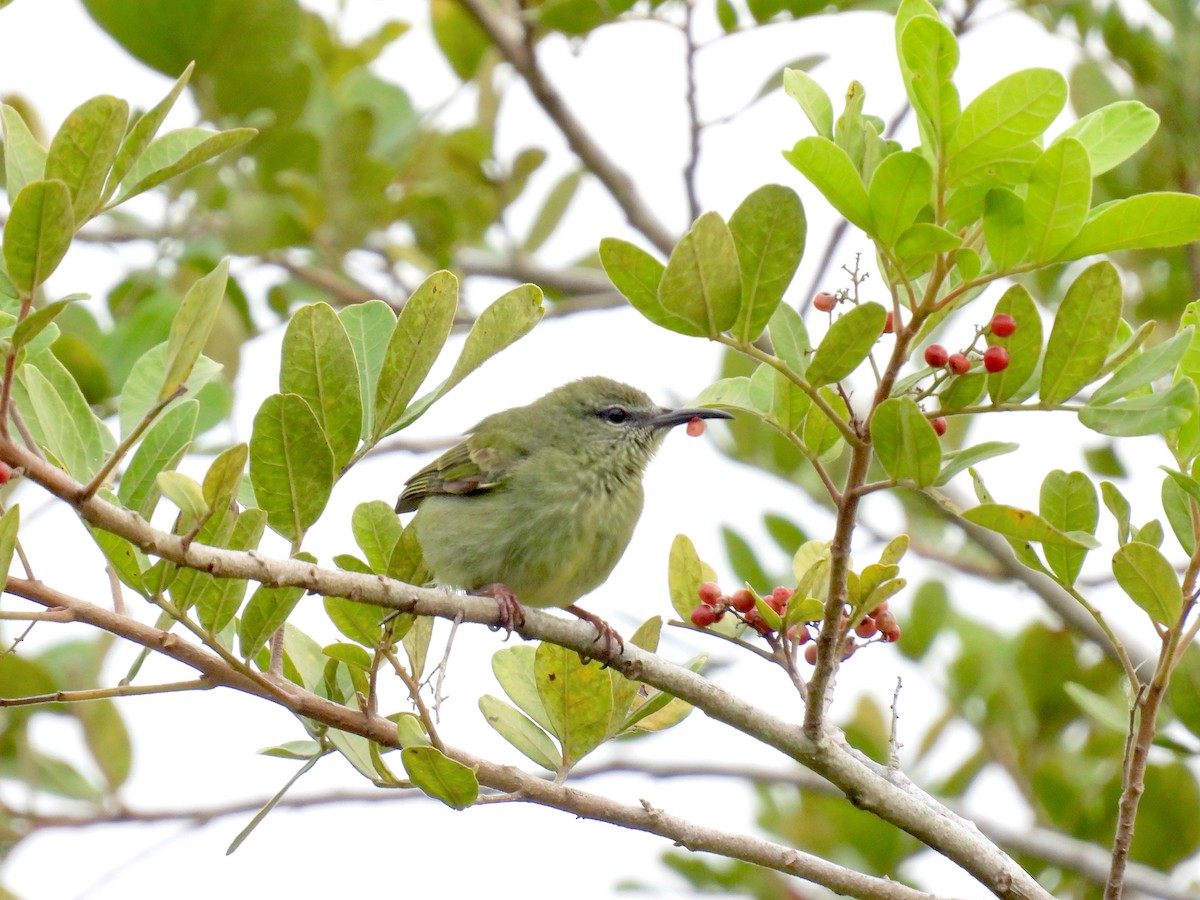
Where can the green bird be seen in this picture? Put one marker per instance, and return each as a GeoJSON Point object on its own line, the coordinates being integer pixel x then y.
{"type": "Point", "coordinates": [538, 504]}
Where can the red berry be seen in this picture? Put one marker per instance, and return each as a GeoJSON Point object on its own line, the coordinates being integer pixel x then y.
{"type": "Point", "coordinates": [742, 600]}
{"type": "Point", "coordinates": [995, 359]}
{"type": "Point", "coordinates": [5, 472]}
{"type": "Point", "coordinates": [1003, 325]}
{"type": "Point", "coordinates": [879, 610]}
{"type": "Point", "coordinates": [959, 364]}
{"type": "Point", "coordinates": [703, 616]}
{"type": "Point", "coordinates": [889, 324]}
{"type": "Point", "coordinates": [825, 301]}
{"type": "Point", "coordinates": [755, 620]}
{"type": "Point", "coordinates": [810, 654]}
{"type": "Point", "coordinates": [889, 628]}
{"type": "Point", "coordinates": [939, 425]}
{"type": "Point", "coordinates": [866, 628]}
{"type": "Point", "coordinates": [710, 593]}
{"type": "Point", "coordinates": [936, 355]}
{"type": "Point", "coordinates": [799, 633]}
{"type": "Point", "coordinates": [695, 426]}
{"type": "Point", "coordinates": [779, 598]}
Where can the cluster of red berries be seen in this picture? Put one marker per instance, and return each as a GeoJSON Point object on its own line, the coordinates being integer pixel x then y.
{"type": "Point", "coordinates": [995, 359]}
{"type": "Point", "coordinates": [714, 604]}
{"type": "Point", "coordinates": [879, 624]}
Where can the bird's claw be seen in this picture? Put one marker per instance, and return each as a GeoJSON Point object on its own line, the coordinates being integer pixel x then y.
{"type": "Point", "coordinates": [510, 613]}
{"type": "Point", "coordinates": [604, 632]}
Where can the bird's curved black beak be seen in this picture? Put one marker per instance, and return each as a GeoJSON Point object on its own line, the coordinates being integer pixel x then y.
{"type": "Point", "coordinates": [669, 418]}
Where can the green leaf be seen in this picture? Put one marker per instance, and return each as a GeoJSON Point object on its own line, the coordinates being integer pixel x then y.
{"type": "Point", "coordinates": [900, 188]}
{"type": "Point", "coordinates": [684, 575]}
{"type": "Point", "coordinates": [1156, 219]}
{"type": "Point", "coordinates": [142, 132]}
{"type": "Point", "coordinates": [267, 610]}
{"type": "Point", "coordinates": [768, 229]}
{"type": "Point", "coordinates": [369, 326]}
{"type": "Point", "coordinates": [520, 731]}
{"type": "Point", "coordinates": [503, 323]}
{"type": "Point", "coordinates": [1146, 414]}
{"type": "Point", "coordinates": [513, 669]}
{"type": "Point", "coordinates": [1068, 502]}
{"type": "Point", "coordinates": [9, 523]}
{"type": "Point", "coordinates": [918, 243]}
{"type": "Point", "coordinates": [441, 777]}
{"type": "Point", "coordinates": [145, 381]}
{"type": "Point", "coordinates": [577, 698]}
{"type": "Point", "coordinates": [905, 442]}
{"type": "Point", "coordinates": [1116, 504]}
{"type": "Point", "coordinates": [553, 210]}
{"type": "Point", "coordinates": [291, 465]}
{"type": "Point", "coordinates": [175, 153]}
{"type": "Point", "coordinates": [847, 343]}
{"type": "Point", "coordinates": [317, 363]}
{"type": "Point", "coordinates": [960, 460]}
{"type": "Point", "coordinates": [702, 283]}
{"type": "Point", "coordinates": [38, 320]}
{"type": "Point", "coordinates": [1057, 199]}
{"type": "Point", "coordinates": [219, 599]}
{"type": "Point", "coordinates": [1024, 345]}
{"type": "Point", "coordinates": [223, 479]}
{"type": "Point", "coordinates": [377, 531]}
{"type": "Point", "coordinates": [1113, 133]}
{"type": "Point", "coordinates": [24, 157]}
{"type": "Point", "coordinates": [84, 149]}
{"type": "Point", "coordinates": [789, 338]}
{"type": "Point", "coordinates": [417, 339]}
{"type": "Point", "coordinates": [63, 425]}
{"type": "Point", "coordinates": [361, 622]}
{"type": "Point", "coordinates": [192, 325]}
{"type": "Point", "coordinates": [1150, 581]}
{"type": "Point", "coordinates": [1013, 111]}
{"type": "Point", "coordinates": [38, 232]}
{"type": "Point", "coordinates": [162, 447]}
{"type": "Point", "coordinates": [184, 491]}
{"type": "Point", "coordinates": [1004, 228]}
{"type": "Point", "coordinates": [637, 275]}
{"type": "Point", "coordinates": [1023, 525]}
{"type": "Point", "coordinates": [930, 51]}
{"type": "Point", "coordinates": [801, 87]}
{"type": "Point", "coordinates": [1084, 328]}
{"type": "Point", "coordinates": [458, 36]}
{"type": "Point", "coordinates": [832, 173]}
{"type": "Point", "coordinates": [1144, 368]}
{"type": "Point", "coordinates": [1177, 504]}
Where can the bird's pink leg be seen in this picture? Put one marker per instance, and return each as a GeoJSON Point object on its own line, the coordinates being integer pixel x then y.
{"type": "Point", "coordinates": [510, 612]}
{"type": "Point", "coordinates": [604, 632]}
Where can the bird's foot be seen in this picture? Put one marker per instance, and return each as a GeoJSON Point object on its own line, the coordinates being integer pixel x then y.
{"type": "Point", "coordinates": [511, 614]}
{"type": "Point", "coordinates": [604, 632]}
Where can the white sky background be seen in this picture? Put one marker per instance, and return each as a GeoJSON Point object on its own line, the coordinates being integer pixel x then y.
{"type": "Point", "coordinates": [198, 750]}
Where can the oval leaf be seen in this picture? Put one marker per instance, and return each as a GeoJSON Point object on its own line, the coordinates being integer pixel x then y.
{"type": "Point", "coordinates": [846, 345]}
{"type": "Point", "coordinates": [1149, 580]}
{"type": "Point", "coordinates": [291, 465]}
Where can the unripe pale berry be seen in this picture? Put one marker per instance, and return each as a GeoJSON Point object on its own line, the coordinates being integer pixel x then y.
{"type": "Point", "coordinates": [1003, 325]}
{"type": "Point", "coordinates": [703, 615]}
{"type": "Point", "coordinates": [825, 301]}
{"type": "Point", "coordinates": [995, 359]}
{"type": "Point", "coordinates": [959, 364]}
{"type": "Point", "coordinates": [810, 654]}
{"type": "Point", "coordinates": [710, 593]}
{"type": "Point", "coordinates": [742, 600]}
{"type": "Point", "coordinates": [939, 425]}
{"type": "Point", "coordinates": [936, 355]}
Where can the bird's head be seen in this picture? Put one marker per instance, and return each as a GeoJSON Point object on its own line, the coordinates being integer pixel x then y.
{"type": "Point", "coordinates": [608, 422]}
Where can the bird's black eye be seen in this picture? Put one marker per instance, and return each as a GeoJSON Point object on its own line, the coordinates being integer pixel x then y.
{"type": "Point", "coordinates": [614, 414]}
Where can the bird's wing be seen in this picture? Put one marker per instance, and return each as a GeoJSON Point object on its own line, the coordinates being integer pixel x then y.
{"type": "Point", "coordinates": [463, 469]}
